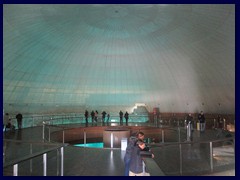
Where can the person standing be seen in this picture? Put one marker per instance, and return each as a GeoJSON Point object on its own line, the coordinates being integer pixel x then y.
{"type": "Point", "coordinates": [103, 117]}
{"type": "Point", "coordinates": [93, 117]}
{"type": "Point", "coordinates": [86, 117]}
{"type": "Point", "coordinates": [140, 151]}
{"type": "Point", "coordinates": [126, 117]}
{"type": "Point", "coordinates": [201, 119]}
{"type": "Point", "coordinates": [5, 121]}
{"type": "Point", "coordinates": [96, 116]}
{"type": "Point", "coordinates": [128, 155]}
{"type": "Point", "coordinates": [121, 118]}
{"type": "Point", "coordinates": [19, 120]}
{"type": "Point", "coordinates": [10, 126]}
{"type": "Point", "coordinates": [190, 121]}
{"type": "Point", "coordinates": [136, 163]}
{"type": "Point", "coordinates": [219, 122]}
{"type": "Point", "coordinates": [108, 118]}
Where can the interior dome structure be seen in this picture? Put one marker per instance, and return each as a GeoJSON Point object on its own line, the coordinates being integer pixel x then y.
{"type": "Point", "coordinates": [72, 57]}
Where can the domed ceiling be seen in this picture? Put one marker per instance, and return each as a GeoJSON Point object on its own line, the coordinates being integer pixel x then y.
{"type": "Point", "coordinates": [68, 58]}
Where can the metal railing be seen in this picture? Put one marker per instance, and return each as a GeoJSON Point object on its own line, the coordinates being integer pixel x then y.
{"type": "Point", "coordinates": [49, 128]}
{"type": "Point", "coordinates": [184, 152]}
{"type": "Point", "coordinates": [71, 118]}
{"type": "Point", "coordinates": [194, 157]}
{"type": "Point", "coordinates": [78, 118]}
{"type": "Point", "coordinates": [13, 156]}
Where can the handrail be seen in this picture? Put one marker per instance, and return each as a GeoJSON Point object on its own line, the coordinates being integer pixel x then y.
{"type": "Point", "coordinates": [187, 142]}
{"type": "Point", "coordinates": [153, 145]}
{"type": "Point", "coordinates": [32, 120]}
{"type": "Point", "coordinates": [33, 142]}
{"type": "Point", "coordinates": [14, 163]}
{"type": "Point", "coordinates": [31, 156]}
{"type": "Point", "coordinates": [152, 168]}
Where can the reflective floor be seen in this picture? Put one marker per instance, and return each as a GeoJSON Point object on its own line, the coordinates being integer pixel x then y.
{"type": "Point", "coordinates": [83, 161]}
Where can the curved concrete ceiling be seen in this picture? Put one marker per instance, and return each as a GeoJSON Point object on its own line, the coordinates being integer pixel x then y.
{"type": "Point", "coordinates": [68, 58]}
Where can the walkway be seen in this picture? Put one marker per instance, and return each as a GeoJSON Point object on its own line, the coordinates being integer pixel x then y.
{"type": "Point", "coordinates": [79, 161]}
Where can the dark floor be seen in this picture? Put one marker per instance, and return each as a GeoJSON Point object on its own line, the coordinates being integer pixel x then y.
{"type": "Point", "coordinates": [80, 161]}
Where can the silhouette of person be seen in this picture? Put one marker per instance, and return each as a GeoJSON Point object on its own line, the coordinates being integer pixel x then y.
{"type": "Point", "coordinates": [92, 116]}
{"type": "Point", "coordinates": [5, 121]}
{"type": "Point", "coordinates": [219, 122]}
{"type": "Point", "coordinates": [19, 120]}
{"type": "Point", "coordinates": [10, 126]}
{"type": "Point", "coordinates": [86, 117]}
{"type": "Point", "coordinates": [190, 120]}
{"type": "Point", "coordinates": [126, 117]}
{"type": "Point", "coordinates": [121, 118]}
{"type": "Point", "coordinates": [108, 117]}
{"type": "Point", "coordinates": [201, 119]}
{"type": "Point", "coordinates": [103, 117]}
{"type": "Point", "coordinates": [96, 116]}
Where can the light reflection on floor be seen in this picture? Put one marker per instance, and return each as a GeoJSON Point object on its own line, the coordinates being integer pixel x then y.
{"type": "Point", "coordinates": [91, 145]}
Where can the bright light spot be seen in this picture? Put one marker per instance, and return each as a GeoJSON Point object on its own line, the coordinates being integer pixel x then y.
{"type": "Point", "coordinates": [136, 105]}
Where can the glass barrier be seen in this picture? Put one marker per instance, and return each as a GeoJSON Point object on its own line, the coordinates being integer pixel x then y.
{"type": "Point", "coordinates": [24, 157]}
{"type": "Point", "coordinates": [195, 158]}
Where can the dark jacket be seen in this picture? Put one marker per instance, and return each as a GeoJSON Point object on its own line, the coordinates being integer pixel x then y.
{"type": "Point", "coordinates": [189, 119]}
{"type": "Point", "coordinates": [201, 118]}
{"type": "Point", "coordinates": [136, 163]}
{"type": "Point", "coordinates": [19, 117]}
{"type": "Point", "coordinates": [131, 143]}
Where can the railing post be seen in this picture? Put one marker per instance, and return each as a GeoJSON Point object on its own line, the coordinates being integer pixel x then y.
{"type": "Point", "coordinates": [63, 140]}
{"type": "Point", "coordinates": [162, 136]}
{"type": "Point", "coordinates": [180, 158]}
{"type": "Point", "coordinates": [84, 138]}
{"type": "Point", "coordinates": [15, 170]}
{"type": "Point", "coordinates": [224, 123]}
{"type": "Point", "coordinates": [62, 158]}
{"type": "Point", "coordinates": [31, 159]}
{"type": "Point", "coordinates": [44, 164]}
{"type": "Point", "coordinates": [179, 134]}
{"type": "Point", "coordinates": [111, 140]}
{"type": "Point", "coordinates": [58, 156]}
{"type": "Point", "coordinates": [43, 132]}
{"type": "Point", "coordinates": [49, 138]}
{"type": "Point", "coordinates": [211, 156]}
{"type": "Point", "coordinates": [189, 131]}
{"type": "Point", "coordinates": [32, 121]}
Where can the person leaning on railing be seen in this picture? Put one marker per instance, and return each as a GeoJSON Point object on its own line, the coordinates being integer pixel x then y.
{"type": "Point", "coordinates": [128, 155]}
{"type": "Point", "coordinates": [140, 151]}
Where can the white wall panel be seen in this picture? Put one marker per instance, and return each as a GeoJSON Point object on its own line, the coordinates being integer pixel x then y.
{"type": "Point", "coordinates": [113, 56]}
